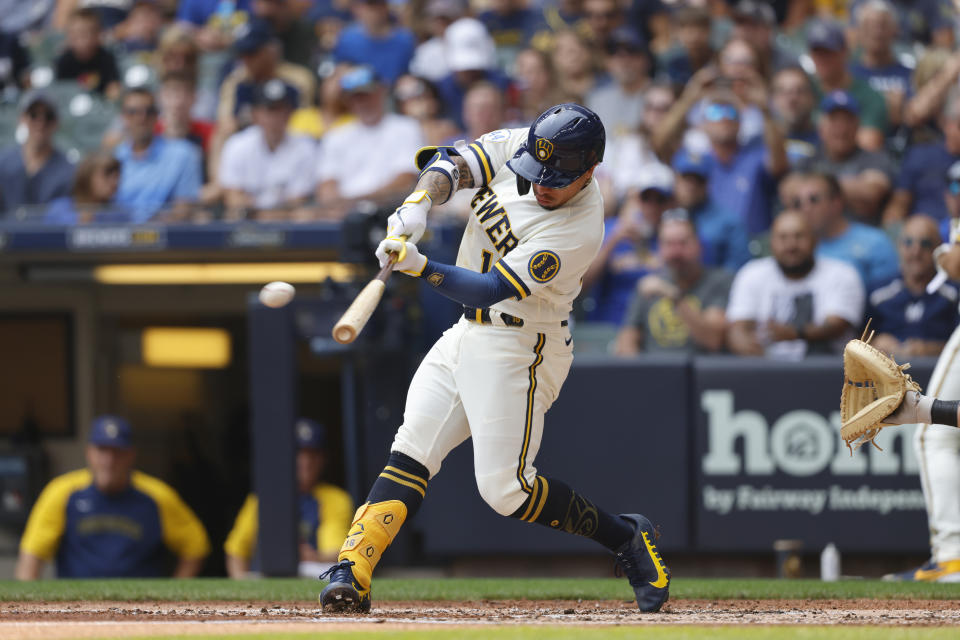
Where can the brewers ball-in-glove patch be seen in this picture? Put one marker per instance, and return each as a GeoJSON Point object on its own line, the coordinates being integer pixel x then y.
{"type": "Point", "coordinates": [874, 385]}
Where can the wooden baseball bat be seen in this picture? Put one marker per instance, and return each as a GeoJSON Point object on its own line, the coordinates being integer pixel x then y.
{"type": "Point", "coordinates": [355, 318]}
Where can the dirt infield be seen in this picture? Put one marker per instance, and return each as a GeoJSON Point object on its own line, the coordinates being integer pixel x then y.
{"type": "Point", "coordinates": [114, 619]}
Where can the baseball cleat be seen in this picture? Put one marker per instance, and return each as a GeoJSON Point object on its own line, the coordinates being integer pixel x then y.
{"type": "Point", "coordinates": [643, 566]}
{"type": "Point", "coordinates": [948, 571]}
{"type": "Point", "coordinates": [343, 594]}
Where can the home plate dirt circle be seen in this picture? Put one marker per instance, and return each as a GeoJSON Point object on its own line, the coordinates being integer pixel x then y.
{"type": "Point", "coordinates": [125, 619]}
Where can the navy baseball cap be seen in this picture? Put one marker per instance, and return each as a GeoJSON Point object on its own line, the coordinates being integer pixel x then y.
{"type": "Point", "coordinates": [310, 434]}
{"type": "Point", "coordinates": [275, 91]}
{"type": "Point", "coordinates": [753, 11]}
{"type": "Point", "coordinates": [34, 97]}
{"type": "Point", "coordinates": [694, 165]}
{"type": "Point", "coordinates": [251, 37]}
{"type": "Point", "coordinates": [837, 100]}
{"type": "Point", "coordinates": [110, 431]}
{"type": "Point", "coordinates": [625, 38]}
{"type": "Point", "coordinates": [826, 34]}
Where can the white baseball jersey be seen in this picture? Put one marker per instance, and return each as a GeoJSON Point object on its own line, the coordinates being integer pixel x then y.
{"type": "Point", "coordinates": [542, 253]}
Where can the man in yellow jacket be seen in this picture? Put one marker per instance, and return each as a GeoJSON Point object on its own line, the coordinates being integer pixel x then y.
{"type": "Point", "coordinates": [326, 511]}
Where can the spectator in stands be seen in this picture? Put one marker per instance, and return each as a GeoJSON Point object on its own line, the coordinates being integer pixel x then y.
{"type": "Point", "coordinates": [693, 51]}
{"type": "Point", "coordinates": [602, 18]}
{"type": "Point", "coordinates": [875, 34]}
{"type": "Point", "coordinates": [630, 154]}
{"type": "Point", "coordinates": [828, 49]}
{"type": "Point", "coordinates": [178, 93]}
{"type": "Point", "coordinates": [297, 35]}
{"type": "Point", "coordinates": [109, 13]}
{"type": "Point", "coordinates": [213, 22]}
{"type": "Point", "coordinates": [793, 103]}
{"type": "Point", "coordinates": [506, 22]}
{"type": "Point", "coordinates": [141, 30]}
{"type": "Point", "coordinates": [865, 176]}
{"type": "Point", "coordinates": [483, 110]}
{"type": "Point", "coordinates": [430, 57]}
{"type": "Point", "coordinates": [14, 64]}
{"type": "Point", "coordinates": [93, 193]}
{"type": "Point", "coordinates": [575, 65]}
{"type": "Point", "coordinates": [908, 320]}
{"type": "Point", "coordinates": [552, 16]}
{"type": "Point", "coordinates": [922, 177]}
{"type": "Point", "coordinates": [819, 197]}
{"type": "Point", "coordinates": [471, 58]}
{"type": "Point", "coordinates": [329, 112]}
{"type": "Point", "coordinates": [157, 172]}
{"type": "Point", "coordinates": [347, 171]}
{"type": "Point", "coordinates": [536, 89]}
{"type": "Point", "coordinates": [723, 236]}
{"type": "Point", "coordinates": [35, 172]}
{"type": "Point", "coordinates": [629, 247]}
{"type": "Point", "coordinates": [756, 23]}
{"type": "Point", "coordinates": [929, 22]}
{"type": "Point", "coordinates": [376, 41]}
{"type": "Point", "coordinates": [26, 18]}
{"type": "Point", "coordinates": [109, 520]}
{"type": "Point", "coordinates": [260, 58]}
{"type": "Point", "coordinates": [680, 308]}
{"type": "Point", "coordinates": [741, 176]}
{"type": "Point", "coordinates": [263, 167]}
{"type": "Point", "coordinates": [793, 303]}
{"type": "Point", "coordinates": [85, 59]}
{"type": "Point", "coordinates": [620, 103]}
{"type": "Point", "coordinates": [325, 510]}
{"type": "Point", "coordinates": [418, 98]}
{"type": "Point", "coordinates": [934, 83]}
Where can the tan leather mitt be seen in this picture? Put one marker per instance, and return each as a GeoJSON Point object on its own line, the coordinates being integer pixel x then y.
{"type": "Point", "coordinates": [874, 385]}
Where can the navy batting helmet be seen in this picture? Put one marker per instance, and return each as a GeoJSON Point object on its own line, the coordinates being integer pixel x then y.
{"type": "Point", "coordinates": [562, 145]}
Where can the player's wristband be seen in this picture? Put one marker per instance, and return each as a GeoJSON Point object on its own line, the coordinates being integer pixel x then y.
{"type": "Point", "coordinates": [442, 164]}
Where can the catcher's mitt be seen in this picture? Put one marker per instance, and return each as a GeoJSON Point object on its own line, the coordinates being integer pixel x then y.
{"type": "Point", "coordinates": [874, 385]}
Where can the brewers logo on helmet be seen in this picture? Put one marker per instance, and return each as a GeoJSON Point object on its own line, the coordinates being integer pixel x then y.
{"type": "Point", "coordinates": [544, 149]}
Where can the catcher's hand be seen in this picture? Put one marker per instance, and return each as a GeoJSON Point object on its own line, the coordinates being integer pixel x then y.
{"type": "Point", "coordinates": [874, 387]}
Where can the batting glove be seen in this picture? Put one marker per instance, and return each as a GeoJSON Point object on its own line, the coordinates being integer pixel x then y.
{"type": "Point", "coordinates": [410, 218]}
{"type": "Point", "coordinates": [409, 259]}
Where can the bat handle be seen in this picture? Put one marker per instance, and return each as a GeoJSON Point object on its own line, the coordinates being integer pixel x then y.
{"type": "Point", "coordinates": [387, 269]}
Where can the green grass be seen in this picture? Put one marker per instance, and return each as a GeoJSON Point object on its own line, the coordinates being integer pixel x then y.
{"type": "Point", "coordinates": [385, 589]}
{"type": "Point", "coordinates": [609, 632]}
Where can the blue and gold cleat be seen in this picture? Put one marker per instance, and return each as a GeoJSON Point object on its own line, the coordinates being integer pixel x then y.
{"type": "Point", "coordinates": [343, 594]}
{"type": "Point", "coordinates": [948, 571]}
{"type": "Point", "coordinates": [643, 566]}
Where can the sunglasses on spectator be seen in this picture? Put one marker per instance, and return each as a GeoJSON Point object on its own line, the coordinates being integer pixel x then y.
{"type": "Point", "coordinates": [42, 114]}
{"type": "Point", "coordinates": [954, 187]}
{"type": "Point", "coordinates": [657, 106]}
{"type": "Point", "coordinates": [605, 15]}
{"type": "Point", "coordinates": [813, 198]}
{"type": "Point", "coordinates": [909, 241]}
{"type": "Point", "coordinates": [718, 112]}
{"type": "Point", "coordinates": [652, 195]}
{"type": "Point", "coordinates": [139, 111]}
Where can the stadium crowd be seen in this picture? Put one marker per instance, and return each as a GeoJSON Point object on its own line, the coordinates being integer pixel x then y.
{"type": "Point", "coordinates": [775, 172]}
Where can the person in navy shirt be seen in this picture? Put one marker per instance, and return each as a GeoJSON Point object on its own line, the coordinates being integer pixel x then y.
{"type": "Point", "coordinates": [109, 520]}
{"type": "Point", "coordinates": [875, 34]}
{"type": "Point", "coordinates": [921, 180]}
{"type": "Point", "coordinates": [375, 40]}
{"type": "Point", "coordinates": [723, 237]}
{"type": "Point", "coordinates": [819, 197]}
{"type": "Point", "coordinates": [910, 321]}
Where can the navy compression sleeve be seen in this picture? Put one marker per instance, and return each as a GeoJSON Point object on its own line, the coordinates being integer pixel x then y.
{"type": "Point", "coordinates": [467, 287]}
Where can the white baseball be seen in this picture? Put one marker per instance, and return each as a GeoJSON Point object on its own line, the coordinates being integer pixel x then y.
{"type": "Point", "coordinates": [277, 294]}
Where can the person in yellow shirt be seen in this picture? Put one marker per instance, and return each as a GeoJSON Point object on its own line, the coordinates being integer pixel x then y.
{"type": "Point", "coordinates": [109, 520]}
{"type": "Point", "coordinates": [326, 511]}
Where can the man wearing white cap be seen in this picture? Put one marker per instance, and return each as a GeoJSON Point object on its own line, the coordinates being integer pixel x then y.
{"type": "Point", "coordinates": [472, 57]}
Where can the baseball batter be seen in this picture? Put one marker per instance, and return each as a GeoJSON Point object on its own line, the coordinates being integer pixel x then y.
{"type": "Point", "coordinates": [537, 224]}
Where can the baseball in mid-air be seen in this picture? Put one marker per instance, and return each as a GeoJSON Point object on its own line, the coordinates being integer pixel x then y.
{"type": "Point", "coordinates": [277, 294]}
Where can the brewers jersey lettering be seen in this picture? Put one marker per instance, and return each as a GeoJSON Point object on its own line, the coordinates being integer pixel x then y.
{"type": "Point", "coordinates": [495, 383]}
{"type": "Point", "coordinates": [93, 534]}
{"type": "Point", "coordinates": [542, 253]}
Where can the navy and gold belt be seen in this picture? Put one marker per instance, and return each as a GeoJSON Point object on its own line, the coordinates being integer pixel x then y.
{"type": "Point", "coordinates": [483, 316]}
